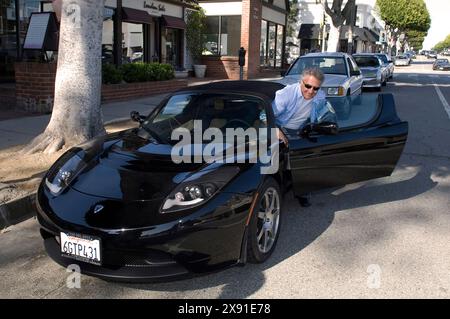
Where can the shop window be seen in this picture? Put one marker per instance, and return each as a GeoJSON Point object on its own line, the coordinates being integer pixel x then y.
{"type": "Point", "coordinates": [230, 35]}
{"type": "Point", "coordinates": [272, 34]}
{"type": "Point", "coordinates": [263, 44]}
{"type": "Point", "coordinates": [108, 36]}
{"type": "Point", "coordinates": [279, 47]}
{"type": "Point", "coordinates": [212, 35]}
{"type": "Point", "coordinates": [271, 45]}
{"type": "Point", "coordinates": [170, 47]}
{"type": "Point", "coordinates": [132, 42]}
{"type": "Point", "coordinates": [223, 35]}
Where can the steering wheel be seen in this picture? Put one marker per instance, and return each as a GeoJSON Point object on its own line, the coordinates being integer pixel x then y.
{"type": "Point", "coordinates": [240, 121]}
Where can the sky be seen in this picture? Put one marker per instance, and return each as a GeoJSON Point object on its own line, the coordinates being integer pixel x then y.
{"type": "Point", "coordinates": [440, 25]}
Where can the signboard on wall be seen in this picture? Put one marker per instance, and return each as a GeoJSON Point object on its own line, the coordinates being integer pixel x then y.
{"type": "Point", "coordinates": [42, 33]}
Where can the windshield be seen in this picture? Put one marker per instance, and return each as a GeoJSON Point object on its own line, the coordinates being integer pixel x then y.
{"type": "Point", "coordinates": [383, 58]}
{"type": "Point", "coordinates": [355, 110]}
{"type": "Point", "coordinates": [367, 61]}
{"type": "Point", "coordinates": [210, 110]}
{"type": "Point", "coordinates": [328, 65]}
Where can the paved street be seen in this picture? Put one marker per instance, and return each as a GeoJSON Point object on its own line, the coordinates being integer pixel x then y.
{"type": "Point", "coordinates": [386, 238]}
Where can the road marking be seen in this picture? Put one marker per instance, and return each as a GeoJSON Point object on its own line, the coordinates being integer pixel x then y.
{"type": "Point", "coordinates": [443, 100]}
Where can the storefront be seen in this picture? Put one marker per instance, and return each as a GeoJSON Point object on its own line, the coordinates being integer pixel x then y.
{"type": "Point", "coordinates": [256, 25]}
{"type": "Point", "coordinates": [133, 31]}
{"type": "Point", "coordinates": [14, 20]}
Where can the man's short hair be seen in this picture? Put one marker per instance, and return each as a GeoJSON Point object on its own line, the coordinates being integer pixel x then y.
{"type": "Point", "coordinates": [315, 72]}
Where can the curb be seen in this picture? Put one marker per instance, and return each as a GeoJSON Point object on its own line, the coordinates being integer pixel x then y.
{"type": "Point", "coordinates": [17, 211]}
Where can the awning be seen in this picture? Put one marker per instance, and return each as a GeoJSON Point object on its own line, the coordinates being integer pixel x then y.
{"type": "Point", "coordinates": [135, 16]}
{"type": "Point", "coordinates": [359, 34]}
{"type": "Point", "coordinates": [309, 31]}
{"type": "Point", "coordinates": [173, 22]}
{"type": "Point", "coordinates": [372, 36]}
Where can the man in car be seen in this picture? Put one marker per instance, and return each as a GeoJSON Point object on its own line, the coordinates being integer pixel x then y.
{"type": "Point", "coordinates": [295, 104]}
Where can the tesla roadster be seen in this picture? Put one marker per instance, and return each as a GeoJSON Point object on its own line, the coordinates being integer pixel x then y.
{"type": "Point", "coordinates": [122, 208]}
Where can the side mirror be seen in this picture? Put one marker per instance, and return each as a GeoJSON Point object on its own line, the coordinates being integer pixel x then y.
{"type": "Point", "coordinates": [325, 128]}
{"type": "Point", "coordinates": [135, 116]}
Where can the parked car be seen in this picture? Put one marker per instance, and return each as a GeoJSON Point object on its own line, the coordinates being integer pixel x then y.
{"type": "Point", "coordinates": [432, 55]}
{"type": "Point", "coordinates": [371, 66]}
{"type": "Point", "coordinates": [121, 209]}
{"type": "Point", "coordinates": [342, 75]}
{"type": "Point", "coordinates": [411, 54]}
{"type": "Point", "coordinates": [441, 64]}
{"type": "Point", "coordinates": [387, 63]}
{"type": "Point", "coordinates": [401, 60]}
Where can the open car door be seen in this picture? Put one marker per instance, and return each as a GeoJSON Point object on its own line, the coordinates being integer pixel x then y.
{"type": "Point", "coordinates": [368, 145]}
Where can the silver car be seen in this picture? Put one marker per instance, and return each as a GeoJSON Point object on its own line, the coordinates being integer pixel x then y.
{"type": "Point", "coordinates": [388, 64]}
{"type": "Point", "coordinates": [401, 60]}
{"type": "Point", "coordinates": [374, 74]}
{"type": "Point", "coordinates": [342, 75]}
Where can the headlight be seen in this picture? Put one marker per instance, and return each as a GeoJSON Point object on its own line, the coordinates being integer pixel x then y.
{"type": "Point", "coordinates": [379, 75]}
{"type": "Point", "coordinates": [198, 188]}
{"type": "Point", "coordinates": [63, 172]}
{"type": "Point", "coordinates": [335, 91]}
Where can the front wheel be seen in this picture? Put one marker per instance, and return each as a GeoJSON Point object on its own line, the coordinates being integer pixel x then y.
{"type": "Point", "coordinates": [264, 226]}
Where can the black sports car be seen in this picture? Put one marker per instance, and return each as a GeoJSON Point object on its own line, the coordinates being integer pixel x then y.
{"type": "Point", "coordinates": [122, 208]}
{"type": "Point", "coordinates": [441, 64]}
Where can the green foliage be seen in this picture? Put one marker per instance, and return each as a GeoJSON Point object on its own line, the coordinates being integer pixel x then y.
{"type": "Point", "coordinates": [195, 33]}
{"type": "Point", "coordinates": [416, 38]}
{"type": "Point", "coordinates": [111, 74]}
{"type": "Point", "coordinates": [137, 72]}
{"type": "Point", "coordinates": [292, 18]}
{"type": "Point", "coordinates": [445, 44]}
{"type": "Point", "coordinates": [405, 14]}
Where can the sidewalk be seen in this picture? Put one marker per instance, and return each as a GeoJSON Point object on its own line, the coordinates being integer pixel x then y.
{"type": "Point", "coordinates": [22, 130]}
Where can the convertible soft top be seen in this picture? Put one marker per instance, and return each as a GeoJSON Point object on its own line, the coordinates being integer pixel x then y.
{"type": "Point", "coordinates": [262, 88]}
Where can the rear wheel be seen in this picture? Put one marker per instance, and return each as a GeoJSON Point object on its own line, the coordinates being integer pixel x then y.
{"type": "Point", "coordinates": [264, 226]}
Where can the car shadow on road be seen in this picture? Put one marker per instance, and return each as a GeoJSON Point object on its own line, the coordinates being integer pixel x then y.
{"type": "Point", "coordinates": [301, 227]}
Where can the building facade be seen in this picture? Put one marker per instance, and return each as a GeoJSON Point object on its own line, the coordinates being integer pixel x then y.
{"type": "Point", "coordinates": [133, 31]}
{"type": "Point", "coordinates": [259, 26]}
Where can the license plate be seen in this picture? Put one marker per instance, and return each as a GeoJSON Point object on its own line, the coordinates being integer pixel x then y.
{"type": "Point", "coordinates": [81, 247]}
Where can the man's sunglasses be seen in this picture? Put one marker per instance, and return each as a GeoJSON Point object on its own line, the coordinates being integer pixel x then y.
{"type": "Point", "coordinates": [308, 86]}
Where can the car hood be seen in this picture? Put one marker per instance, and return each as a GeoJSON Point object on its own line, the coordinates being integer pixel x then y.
{"type": "Point", "coordinates": [130, 168]}
{"type": "Point", "coordinates": [331, 80]}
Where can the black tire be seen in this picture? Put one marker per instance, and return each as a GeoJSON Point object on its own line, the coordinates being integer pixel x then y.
{"type": "Point", "coordinates": [384, 83]}
{"type": "Point", "coordinates": [264, 226]}
{"type": "Point", "coordinates": [378, 89]}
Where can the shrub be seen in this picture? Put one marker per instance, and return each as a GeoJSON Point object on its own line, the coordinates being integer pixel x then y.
{"type": "Point", "coordinates": [134, 72]}
{"type": "Point", "coordinates": [144, 72]}
{"type": "Point", "coordinates": [111, 74]}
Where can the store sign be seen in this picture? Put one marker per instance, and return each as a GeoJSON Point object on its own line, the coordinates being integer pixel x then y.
{"type": "Point", "coordinates": [155, 8]}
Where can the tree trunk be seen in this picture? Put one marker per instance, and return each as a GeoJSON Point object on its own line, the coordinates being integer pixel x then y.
{"type": "Point", "coordinates": [76, 115]}
{"type": "Point", "coordinates": [338, 17]}
{"type": "Point", "coordinates": [333, 39]}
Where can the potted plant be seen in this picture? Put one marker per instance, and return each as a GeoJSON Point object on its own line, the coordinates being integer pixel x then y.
{"type": "Point", "coordinates": [196, 39]}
